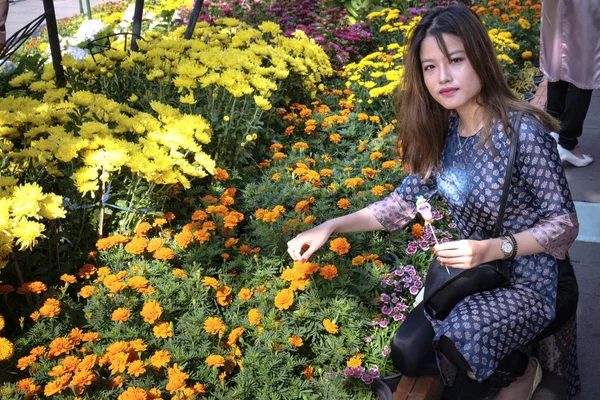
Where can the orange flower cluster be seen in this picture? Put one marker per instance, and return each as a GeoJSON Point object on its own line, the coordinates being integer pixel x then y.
{"type": "Point", "coordinates": [223, 295]}
{"type": "Point", "coordinates": [344, 204]}
{"type": "Point", "coordinates": [303, 206]}
{"type": "Point", "coordinates": [119, 356]}
{"type": "Point", "coordinates": [254, 317]}
{"type": "Point", "coordinates": [214, 326]}
{"type": "Point", "coordinates": [417, 231]}
{"type": "Point", "coordinates": [163, 330]}
{"type": "Point", "coordinates": [299, 275]}
{"type": "Point", "coordinates": [151, 311]}
{"type": "Point", "coordinates": [355, 360]}
{"type": "Point", "coordinates": [50, 308]}
{"type": "Point", "coordinates": [108, 242]}
{"type": "Point", "coordinates": [370, 172]}
{"type": "Point", "coordinates": [269, 215]}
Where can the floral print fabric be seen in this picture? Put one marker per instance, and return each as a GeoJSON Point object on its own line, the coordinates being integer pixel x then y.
{"type": "Point", "coordinates": [487, 326]}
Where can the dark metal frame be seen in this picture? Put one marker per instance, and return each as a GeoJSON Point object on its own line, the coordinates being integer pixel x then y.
{"type": "Point", "coordinates": [19, 37]}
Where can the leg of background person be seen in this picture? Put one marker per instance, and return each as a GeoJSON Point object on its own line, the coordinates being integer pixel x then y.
{"type": "Point", "coordinates": [3, 15]}
{"type": "Point", "coordinates": [576, 108]}
{"type": "Point", "coordinates": [412, 345]}
{"type": "Point", "coordinates": [557, 95]}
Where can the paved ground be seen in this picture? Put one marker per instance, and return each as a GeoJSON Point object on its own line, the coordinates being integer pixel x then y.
{"type": "Point", "coordinates": [21, 12]}
{"type": "Point", "coordinates": [585, 187]}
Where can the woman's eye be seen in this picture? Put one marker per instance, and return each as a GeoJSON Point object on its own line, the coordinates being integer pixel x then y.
{"type": "Point", "coordinates": [427, 67]}
{"type": "Point", "coordinates": [456, 60]}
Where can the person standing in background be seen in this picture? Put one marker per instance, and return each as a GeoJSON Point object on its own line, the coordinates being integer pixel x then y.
{"type": "Point", "coordinates": [570, 59]}
{"type": "Point", "coordinates": [3, 15]}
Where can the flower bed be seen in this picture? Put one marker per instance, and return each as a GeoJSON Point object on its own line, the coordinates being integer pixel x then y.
{"type": "Point", "coordinates": [196, 161]}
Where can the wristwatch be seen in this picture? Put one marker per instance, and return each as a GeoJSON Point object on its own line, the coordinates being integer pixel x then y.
{"type": "Point", "coordinates": [506, 247]}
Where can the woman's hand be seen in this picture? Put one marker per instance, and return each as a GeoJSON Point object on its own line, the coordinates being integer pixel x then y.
{"type": "Point", "coordinates": [313, 238]}
{"type": "Point", "coordinates": [464, 254]}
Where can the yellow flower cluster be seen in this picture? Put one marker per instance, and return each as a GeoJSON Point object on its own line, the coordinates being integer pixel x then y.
{"type": "Point", "coordinates": [22, 208]}
{"type": "Point", "coordinates": [379, 73]}
{"type": "Point", "coordinates": [504, 44]}
{"type": "Point", "coordinates": [165, 148]}
{"type": "Point", "coordinates": [7, 348]}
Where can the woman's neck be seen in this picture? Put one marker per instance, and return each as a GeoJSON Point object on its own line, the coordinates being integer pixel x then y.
{"type": "Point", "coordinates": [471, 120]}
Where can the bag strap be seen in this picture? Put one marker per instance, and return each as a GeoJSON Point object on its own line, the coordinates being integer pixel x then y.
{"type": "Point", "coordinates": [514, 140]}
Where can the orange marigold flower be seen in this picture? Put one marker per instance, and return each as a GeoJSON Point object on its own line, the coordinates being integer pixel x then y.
{"type": "Point", "coordinates": [300, 146]}
{"type": "Point", "coordinates": [4, 289]}
{"type": "Point", "coordinates": [154, 244]}
{"type": "Point", "coordinates": [358, 260]}
{"type": "Point", "coordinates": [136, 368]}
{"type": "Point", "coordinates": [200, 389]}
{"type": "Point", "coordinates": [90, 337]}
{"type": "Point", "coordinates": [164, 254]}
{"type": "Point", "coordinates": [223, 295]}
{"type": "Point", "coordinates": [245, 294]}
{"type": "Point", "coordinates": [160, 359]}
{"type": "Point", "coordinates": [362, 117]}
{"type": "Point", "coordinates": [370, 172]}
{"type": "Point", "coordinates": [199, 215]}
{"type": "Point", "coordinates": [308, 373]}
{"type": "Point", "coordinates": [234, 335]}
{"type": "Point", "coordinates": [296, 341]}
{"type": "Point", "coordinates": [159, 221]}
{"type": "Point", "coordinates": [344, 204]}
{"type": "Point", "coordinates": [244, 249]}
{"type": "Point", "coordinates": [36, 287]}
{"type": "Point", "coordinates": [50, 309]}
{"type": "Point", "coordinates": [221, 174]}
{"type": "Point", "coordinates": [56, 386]}
{"type": "Point", "coordinates": [7, 349]}
{"type": "Point", "coordinates": [151, 311]}
{"type": "Point", "coordinates": [378, 190]}
{"type": "Point", "coordinates": [284, 299]}
{"type": "Point", "coordinates": [86, 271]}
{"type": "Point", "coordinates": [375, 155]}
{"type": "Point", "coordinates": [88, 291]}
{"type": "Point", "coordinates": [276, 176]}
{"type": "Point", "coordinates": [202, 235]}
{"type": "Point", "coordinates": [302, 207]}
{"type": "Point", "coordinates": [417, 231]}
{"type": "Point", "coordinates": [214, 326]}
{"type": "Point", "coordinates": [169, 216]}
{"type": "Point", "coordinates": [325, 172]}
{"type": "Point", "coordinates": [37, 351]}
{"type": "Point", "coordinates": [26, 361]}
{"type": "Point", "coordinates": [28, 386]}
{"type": "Point", "coordinates": [184, 238]}
{"type": "Point", "coordinates": [330, 326]}
{"type": "Point", "coordinates": [335, 138]}
{"type": "Point", "coordinates": [136, 246]}
{"type": "Point", "coordinates": [163, 330]}
{"type": "Point", "coordinates": [254, 317]}
{"type": "Point", "coordinates": [137, 282]}
{"type": "Point", "coordinates": [60, 345]}
{"type": "Point", "coordinates": [179, 273]}
{"type": "Point", "coordinates": [355, 360]}
{"type": "Point", "coordinates": [231, 242]}
{"type": "Point", "coordinates": [329, 272]}
{"type": "Point", "coordinates": [177, 379]}
{"type": "Point", "coordinates": [210, 281]}
{"type": "Point", "coordinates": [68, 278]}
{"type": "Point", "coordinates": [279, 155]}
{"type": "Point", "coordinates": [340, 246]}
{"type": "Point", "coordinates": [142, 229]}
{"type": "Point", "coordinates": [133, 393]}
{"type": "Point", "coordinates": [215, 361]}
{"type": "Point", "coordinates": [121, 315]}
{"type": "Point", "coordinates": [353, 182]}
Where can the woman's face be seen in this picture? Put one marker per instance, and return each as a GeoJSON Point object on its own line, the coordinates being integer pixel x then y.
{"type": "Point", "coordinates": [451, 82]}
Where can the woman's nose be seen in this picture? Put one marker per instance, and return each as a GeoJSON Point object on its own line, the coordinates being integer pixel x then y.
{"type": "Point", "coordinates": [444, 74]}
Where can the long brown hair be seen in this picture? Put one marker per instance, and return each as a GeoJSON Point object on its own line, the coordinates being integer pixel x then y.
{"type": "Point", "coordinates": [423, 122]}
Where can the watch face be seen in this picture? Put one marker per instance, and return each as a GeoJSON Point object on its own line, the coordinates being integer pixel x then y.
{"type": "Point", "coordinates": [506, 247]}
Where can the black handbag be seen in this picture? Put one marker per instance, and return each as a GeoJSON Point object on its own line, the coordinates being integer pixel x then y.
{"type": "Point", "coordinates": [444, 290]}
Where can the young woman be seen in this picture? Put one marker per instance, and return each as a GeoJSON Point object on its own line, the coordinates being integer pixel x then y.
{"type": "Point", "coordinates": [455, 111]}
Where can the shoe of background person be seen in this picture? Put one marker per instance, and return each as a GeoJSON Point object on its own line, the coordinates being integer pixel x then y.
{"type": "Point", "coordinates": [568, 156]}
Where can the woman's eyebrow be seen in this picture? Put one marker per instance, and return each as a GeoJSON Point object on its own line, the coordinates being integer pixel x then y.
{"type": "Point", "coordinates": [452, 53]}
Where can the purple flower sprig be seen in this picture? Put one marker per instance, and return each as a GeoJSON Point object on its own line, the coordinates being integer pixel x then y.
{"type": "Point", "coordinates": [427, 241]}
{"type": "Point", "coordinates": [398, 286]}
{"type": "Point", "coordinates": [362, 373]}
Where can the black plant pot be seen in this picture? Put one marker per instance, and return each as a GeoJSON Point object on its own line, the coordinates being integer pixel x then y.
{"type": "Point", "coordinates": [385, 387]}
{"type": "Point", "coordinates": [528, 96]}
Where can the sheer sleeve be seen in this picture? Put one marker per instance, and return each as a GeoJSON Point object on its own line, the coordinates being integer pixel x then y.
{"type": "Point", "coordinates": [541, 168]}
{"type": "Point", "coordinates": [398, 209]}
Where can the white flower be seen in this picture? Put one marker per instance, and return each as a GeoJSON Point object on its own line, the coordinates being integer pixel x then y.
{"type": "Point", "coordinates": [128, 14]}
{"type": "Point", "coordinates": [88, 30]}
{"type": "Point", "coordinates": [7, 67]}
{"type": "Point", "coordinates": [77, 53]}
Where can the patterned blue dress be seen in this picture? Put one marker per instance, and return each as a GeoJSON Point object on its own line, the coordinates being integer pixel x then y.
{"type": "Point", "coordinates": [487, 326]}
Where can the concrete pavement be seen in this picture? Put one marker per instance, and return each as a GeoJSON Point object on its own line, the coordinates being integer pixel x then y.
{"type": "Point", "coordinates": [21, 12]}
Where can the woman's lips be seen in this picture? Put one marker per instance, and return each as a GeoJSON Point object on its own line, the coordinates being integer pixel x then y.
{"type": "Point", "coordinates": [448, 92]}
